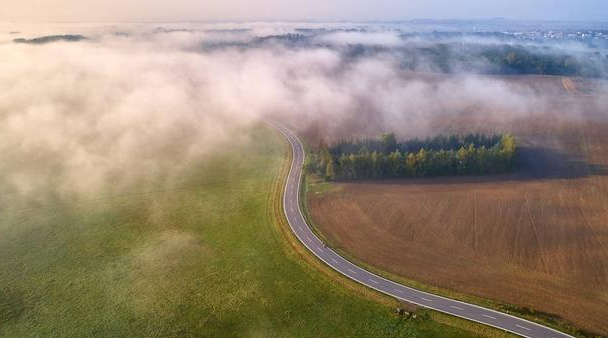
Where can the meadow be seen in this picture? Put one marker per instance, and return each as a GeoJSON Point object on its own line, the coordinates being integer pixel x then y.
{"type": "Point", "coordinates": [208, 257]}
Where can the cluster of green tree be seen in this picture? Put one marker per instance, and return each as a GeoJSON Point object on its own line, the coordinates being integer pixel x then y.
{"type": "Point", "coordinates": [51, 38]}
{"type": "Point", "coordinates": [438, 156]}
{"type": "Point", "coordinates": [519, 60]}
{"type": "Point", "coordinates": [387, 143]}
{"type": "Point", "coordinates": [505, 59]}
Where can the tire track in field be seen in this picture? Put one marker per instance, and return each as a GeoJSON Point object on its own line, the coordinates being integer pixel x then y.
{"type": "Point", "coordinates": [534, 232]}
{"type": "Point", "coordinates": [569, 85]}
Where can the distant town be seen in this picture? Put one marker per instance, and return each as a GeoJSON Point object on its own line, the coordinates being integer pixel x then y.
{"type": "Point", "coordinates": [583, 36]}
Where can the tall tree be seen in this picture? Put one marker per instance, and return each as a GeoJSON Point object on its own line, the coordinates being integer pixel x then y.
{"type": "Point", "coordinates": [330, 174]}
{"type": "Point", "coordinates": [389, 142]}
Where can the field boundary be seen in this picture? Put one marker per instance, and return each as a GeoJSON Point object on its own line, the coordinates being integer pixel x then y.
{"type": "Point", "coordinates": [472, 312]}
{"type": "Point", "coordinates": [295, 249]}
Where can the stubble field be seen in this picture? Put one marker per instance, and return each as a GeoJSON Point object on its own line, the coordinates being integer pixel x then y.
{"type": "Point", "coordinates": [537, 238]}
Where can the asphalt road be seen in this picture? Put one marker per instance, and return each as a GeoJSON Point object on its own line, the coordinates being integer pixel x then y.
{"type": "Point", "coordinates": [291, 207]}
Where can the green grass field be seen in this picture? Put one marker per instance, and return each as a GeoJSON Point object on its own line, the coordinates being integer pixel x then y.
{"type": "Point", "coordinates": [206, 258]}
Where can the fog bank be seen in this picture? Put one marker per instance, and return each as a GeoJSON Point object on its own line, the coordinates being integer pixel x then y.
{"type": "Point", "coordinates": [133, 105]}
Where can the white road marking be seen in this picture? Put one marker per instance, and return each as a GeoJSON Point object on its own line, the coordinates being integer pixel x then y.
{"type": "Point", "coordinates": [333, 259]}
{"type": "Point", "coordinates": [397, 290]}
{"type": "Point", "coordinates": [308, 238]}
{"type": "Point", "coordinates": [352, 271]}
{"type": "Point", "coordinates": [523, 327]}
{"type": "Point", "coordinates": [456, 307]}
{"type": "Point", "coordinates": [428, 300]}
{"type": "Point", "coordinates": [485, 315]}
{"type": "Point", "coordinates": [374, 281]}
{"type": "Point", "coordinates": [300, 228]}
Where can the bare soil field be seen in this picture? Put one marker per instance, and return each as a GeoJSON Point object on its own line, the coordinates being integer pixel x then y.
{"type": "Point", "coordinates": [537, 238]}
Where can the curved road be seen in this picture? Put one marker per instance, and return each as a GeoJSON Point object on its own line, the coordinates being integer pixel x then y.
{"type": "Point", "coordinates": [298, 225]}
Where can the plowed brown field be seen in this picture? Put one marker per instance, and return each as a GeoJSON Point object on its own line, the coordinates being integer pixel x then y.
{"type": "Point", "coordinates": [537, 238]}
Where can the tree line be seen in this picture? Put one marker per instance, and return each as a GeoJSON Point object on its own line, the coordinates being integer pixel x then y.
{"type": "Point", "coordinates": [519, 60]}
{"type": "Point", "coordinates": [472, 154]}
{"type": "Point", "coordinates": [507, 59]}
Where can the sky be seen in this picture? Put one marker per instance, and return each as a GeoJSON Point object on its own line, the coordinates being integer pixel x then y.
{"type": "Point", "coordinates": [317, 10]}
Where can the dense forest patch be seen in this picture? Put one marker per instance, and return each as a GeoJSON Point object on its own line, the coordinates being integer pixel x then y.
{"type": "Point", "coordinates": [385, 157]}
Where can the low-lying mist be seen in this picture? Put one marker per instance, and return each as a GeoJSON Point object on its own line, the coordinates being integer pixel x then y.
{"type": "Point", "coordinates": [136, 105]}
